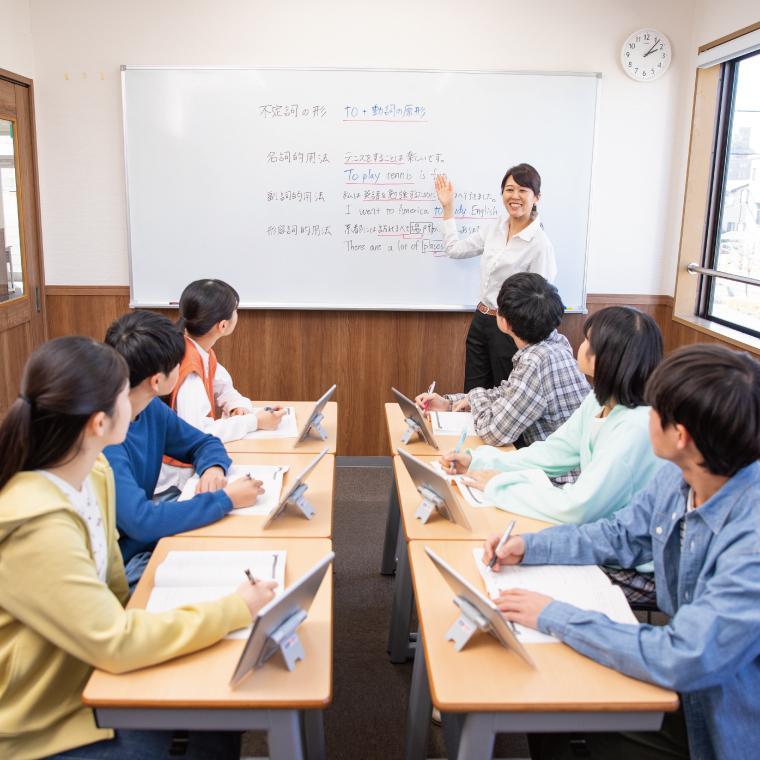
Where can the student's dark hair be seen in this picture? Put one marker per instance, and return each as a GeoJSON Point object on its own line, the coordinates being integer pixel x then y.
{"type": "Point", "coordinates": [204, 303]}
{"type": "Point", "coordinates": [627, 346]}
{"type": "Point", "coordinates": [531, 305]}
{"type": "Point", "coordinates": [65, 382]}
{"type": "Point", "coordinates": [714, 393]}
{"type": "Point", "coordinates": [150, 343]}
{"type": "Point", "coordinates": [526, 176]}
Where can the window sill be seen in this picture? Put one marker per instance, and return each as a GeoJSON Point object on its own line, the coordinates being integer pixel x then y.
{"type": "Point", "coordinates": [720, 332]}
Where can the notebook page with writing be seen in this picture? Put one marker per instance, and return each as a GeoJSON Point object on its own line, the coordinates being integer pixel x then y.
{"type": "Point", "coordinates": [452, 423]}
{"type": "Point", "coordinates": [288, 427]}
{"type": "Point", "coordinates": [473, 496]}
{"type": "Point", "coordinates": [270, 475]}
{"type": "Point", "coordinates": [188, 577]}
{"type": "Point", "coordinates": [584, 586]}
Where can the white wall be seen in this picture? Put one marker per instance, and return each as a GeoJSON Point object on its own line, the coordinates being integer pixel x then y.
{"type": "Point", "coordinates": [16, 49]}
{"type": "Point", "coordinates": [716, 19]}
{"type": "Point", "coordinates": [642, 130]}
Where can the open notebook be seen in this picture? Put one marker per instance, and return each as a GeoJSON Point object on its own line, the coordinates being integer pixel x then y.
{"type": "Point", "coordinates": [473, 496]}
{"type": "Point", "coordinates": [270, 476]}
{"type": "Point", "coordinates": [187, 577]}
{"type": "Point", "coordinates": [288, 427]}
{"type": "Point", "coordinates": [452, 423]}
{"type": "Point", "coordinates": [584, 586]}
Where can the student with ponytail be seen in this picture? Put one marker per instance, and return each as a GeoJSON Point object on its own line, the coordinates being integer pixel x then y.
{"type": "Point", "coordinates": [62, 582]}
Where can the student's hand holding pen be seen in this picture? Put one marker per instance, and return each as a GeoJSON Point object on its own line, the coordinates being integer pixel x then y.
{"type": "Point", "coordinates": [244, 492]}
{"type": "Point", "coordinates": [256, 595]}
{"type": "Point", "coordinates": [432, 402]}
{"type": "Point", "coordinates": [269, 419]}
{"type": "Point", "coordinates": [511, 553]}
{"type": "Point", "coordinates": [456, 463]}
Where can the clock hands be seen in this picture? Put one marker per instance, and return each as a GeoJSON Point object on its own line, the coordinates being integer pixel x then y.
{"type": "Point", "coordinates": [651, 49]}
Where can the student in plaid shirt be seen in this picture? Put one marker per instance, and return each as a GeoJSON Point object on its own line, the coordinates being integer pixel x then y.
{"type": "Point", "coordinates": [545, 386]}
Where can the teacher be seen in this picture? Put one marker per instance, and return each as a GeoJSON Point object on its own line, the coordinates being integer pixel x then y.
{"type": "Point", "coordinates": [515, 244]}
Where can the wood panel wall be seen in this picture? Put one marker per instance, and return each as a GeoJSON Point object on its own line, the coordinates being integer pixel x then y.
{"type": "Point", "coordinates": [297, 355]}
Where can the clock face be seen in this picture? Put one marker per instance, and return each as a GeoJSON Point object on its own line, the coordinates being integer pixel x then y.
{"type": "Point", "coordinates": [646, 55]}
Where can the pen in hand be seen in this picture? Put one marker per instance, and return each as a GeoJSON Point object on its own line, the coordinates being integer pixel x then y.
{"type": "Point", "coordinates": [249, 576]}
{"type": "Point", "coordinates": [457, 449]}
{"type": "Point", "coordinates": [501, 543]}
{"type": "Point", "coordinates": [430, 389]}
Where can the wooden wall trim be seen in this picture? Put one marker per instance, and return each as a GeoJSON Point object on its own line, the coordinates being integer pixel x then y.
{"type": "Point", "coordinates": [734, 35]}
{"type": "Point", "coordinates": [87, 290]}
{"type": "Point", "coordinates": [592, 298]}
{"type": "Point", "coordinates": [15, 78]}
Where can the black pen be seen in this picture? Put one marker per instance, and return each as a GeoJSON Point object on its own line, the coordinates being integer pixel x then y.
{"type": "Point", "coordinates": [249, 576]}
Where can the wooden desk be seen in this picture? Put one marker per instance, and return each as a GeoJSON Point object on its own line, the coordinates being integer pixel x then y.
{"type": "Point", "coordinates": [394, 419]}
{"type": "Point", "coordinates": [484, 522]}
{"type": "Point", "coordinates": [417, 447]}
{"type": "Point", "coordinates": [496, 690]}
{"type": "Point", "coordinates": [193, 692]}
{"type": "Point", "coordinates": [313, 443]}
{"type": "Point", "coordinates": [291, 524]}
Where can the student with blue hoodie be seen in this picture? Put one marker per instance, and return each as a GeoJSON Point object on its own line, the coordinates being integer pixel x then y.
{"type": "Point", "coordinates": [153, 348]}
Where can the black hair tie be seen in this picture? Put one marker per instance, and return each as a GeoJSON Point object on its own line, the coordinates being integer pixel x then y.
{"type": "Point", "coordinates": [26, 399]}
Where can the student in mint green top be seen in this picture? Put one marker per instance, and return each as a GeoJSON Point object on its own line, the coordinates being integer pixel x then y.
{"type": "Point", "coordinates": [606, 437]}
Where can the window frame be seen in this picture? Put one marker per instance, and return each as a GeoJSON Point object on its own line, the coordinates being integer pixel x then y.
{"type": "Point", "coordinates": [724, 120]}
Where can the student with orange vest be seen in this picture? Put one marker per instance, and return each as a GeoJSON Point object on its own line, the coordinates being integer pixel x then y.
{"type": "Point", "coordinates": [204, 395]}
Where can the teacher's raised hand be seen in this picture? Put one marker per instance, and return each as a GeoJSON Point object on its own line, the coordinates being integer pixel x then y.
{"type": "Point", "coordinates": [445, 192]}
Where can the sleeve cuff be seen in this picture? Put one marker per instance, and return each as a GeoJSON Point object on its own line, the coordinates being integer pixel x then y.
{"type": "Point", "coordinates": [536, 550]}
{"type": "Point", "coordinates": [224, 501]}
{"type": "Point", "coordinates": [450, 226]}
{"type": "Point", "coordinates": [238, 612]}
{"type": "Point", "coordinates": [555, 618]}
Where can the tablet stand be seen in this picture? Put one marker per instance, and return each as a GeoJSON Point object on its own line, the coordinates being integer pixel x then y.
{"type": "Point", "coordinates": [314, 425]}
{"type": "Point", "coordinates": [469, 622]}
{"type": "Point", "coordinates": [299, 502]}
{"type": "Point", "coordinates": [411, 428]}
{"type": "Point", "coordinates": [430, 502]}
{"type": "Point", "coordinates": [284, 640]}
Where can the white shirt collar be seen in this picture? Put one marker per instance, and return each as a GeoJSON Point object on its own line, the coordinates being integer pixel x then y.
{"type": "Point", "coordinates": [529, 232]}
{"type": "Point", "coordinates": [201, 350]}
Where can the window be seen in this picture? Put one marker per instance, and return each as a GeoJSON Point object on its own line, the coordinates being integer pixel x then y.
{"type": "Point", "coordinates": [732, 243]}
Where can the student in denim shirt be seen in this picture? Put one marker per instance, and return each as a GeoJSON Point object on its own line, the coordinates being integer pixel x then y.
{"type": "Point", "coordinates": [699, 521]}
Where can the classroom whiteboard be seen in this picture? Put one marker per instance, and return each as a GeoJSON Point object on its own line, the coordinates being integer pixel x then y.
{"type": "Point", "coordinates": [313, 188]}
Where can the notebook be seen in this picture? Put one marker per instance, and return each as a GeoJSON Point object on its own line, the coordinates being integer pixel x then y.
{"type": "Point", "coordinates": [473, 496]}
{"type": "Point", "coordinates": [288, 427]}
{"type": "Point", "coordinates": [270, 475]}
{"type": "Point", "coordinates": [187, 577]}
{"type": "Point", "coordinates": [452, 423]}
{"type": "Point", "coordinates": [584, 586]}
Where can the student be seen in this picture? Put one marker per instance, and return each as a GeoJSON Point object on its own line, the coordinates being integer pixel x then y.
{"type": "Point", "coordinates": [698, 521]}
{"type": "Point", "coordinates": [204, 394]}
{"type": "Point", "coordinates": [606, 437]}
{"type": "Point", "coordinates": [153, 348]}
{"type": "Point", "coordinates": [545, 386]}
{"type": "Point", "coordinates": [208, 312]}
{"type": "Point", "coordinates": [62, 583]}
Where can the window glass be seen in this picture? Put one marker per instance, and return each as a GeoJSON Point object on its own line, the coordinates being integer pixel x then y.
{"type": "Point", "coordinates": [11, 261]}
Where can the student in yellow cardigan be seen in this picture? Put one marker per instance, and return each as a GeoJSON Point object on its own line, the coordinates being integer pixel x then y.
{"type": "Point", "coordinates": [62, 584]}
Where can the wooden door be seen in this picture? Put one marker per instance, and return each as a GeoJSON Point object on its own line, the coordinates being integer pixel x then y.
{"type": "Point", "coordinates": [22, 297]}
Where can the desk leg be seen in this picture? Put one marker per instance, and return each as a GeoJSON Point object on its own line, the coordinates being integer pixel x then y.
{"type": "Point", "coordinates": [284, 735]}
{"type": "Point", "coordinates": [388, 566]}
{"type": "Point", "coordinates": [477, 737]}
{"type": "Point", "coordinates": [401, 612]}
{"type": "Point", "coordinates": [452, 732]}
{"type": "Point", "coordinates": [419, 711]}
{"type": "Point", "coordinates": [314, 734]}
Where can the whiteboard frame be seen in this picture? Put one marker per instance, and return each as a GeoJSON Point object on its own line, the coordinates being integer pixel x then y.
{"type": "Point", "coordinates": [133, 304]}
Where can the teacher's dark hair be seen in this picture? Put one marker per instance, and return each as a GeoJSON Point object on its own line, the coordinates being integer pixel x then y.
{"type": "Point", "coordinates": [531, 305]}
{"type": "Point", "coordinates": [150, 343]}
{"type": "Point", "coordinates": [525, 176]}
{"type": "Point", "coordinates": [627, 346]}
{"type": "Point", "coordinates": [65, 382]}
{"type": "Point", "coordinates": [205, 303]}
{"type": "Point", "coordinates": [714, 393]}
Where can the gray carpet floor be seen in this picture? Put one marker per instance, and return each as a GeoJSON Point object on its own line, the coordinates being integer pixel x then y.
{"type": "Point", "coordinates": [367, 717]}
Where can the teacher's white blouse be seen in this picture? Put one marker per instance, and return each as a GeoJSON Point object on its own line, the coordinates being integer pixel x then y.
{"type": "Point", "coordinates": [528, 251]}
